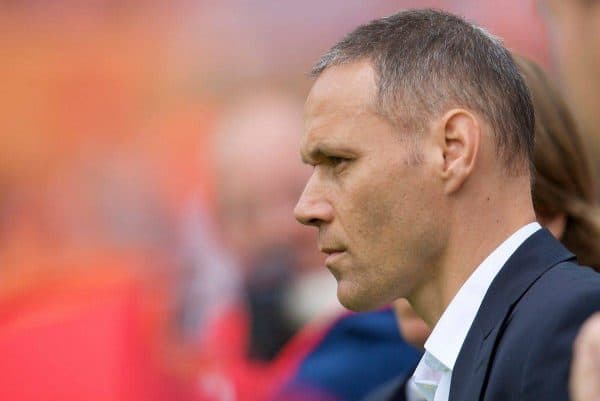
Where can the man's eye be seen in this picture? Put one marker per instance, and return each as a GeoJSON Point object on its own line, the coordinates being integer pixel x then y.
{"type": "Point", "coordinates": [336, 161]}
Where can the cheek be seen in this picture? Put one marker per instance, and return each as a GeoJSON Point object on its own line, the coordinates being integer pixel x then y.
{"type": "Point", "coordinates": [370, 211]}
{"type": "Point", "coordinates": [397, 222]}
{"type": "Point", "coordinates": [380, 220]}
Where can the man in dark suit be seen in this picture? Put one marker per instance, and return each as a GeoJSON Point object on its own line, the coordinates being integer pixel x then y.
{"type": "Point", "coordinates": [420, 131]}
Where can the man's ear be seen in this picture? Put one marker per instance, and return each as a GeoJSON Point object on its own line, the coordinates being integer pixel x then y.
{"type": "Point", "coordinates": [460, 137]}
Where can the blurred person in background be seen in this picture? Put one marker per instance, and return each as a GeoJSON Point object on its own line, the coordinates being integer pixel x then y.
{"type": "Point", "coordinates": [585, 372]}
{"type": "Point", "coordinates": [285, 336]}
{"type": "Point", "coordinates": [565, 185]}
{"type": "Point", "coordinates": [355, 355]}
{"type": "Point", "coordinates": [256, 182]}
{"type": "Point", "coordinates": [575, 29]}
{"type": "Point", "coordinates": [565, 203]}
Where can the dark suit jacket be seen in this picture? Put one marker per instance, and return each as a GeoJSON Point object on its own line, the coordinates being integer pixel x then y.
{"type": "Point", "coordinates": [519, 346]}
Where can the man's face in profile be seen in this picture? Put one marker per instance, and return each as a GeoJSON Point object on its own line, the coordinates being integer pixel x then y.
{"type": "Point", "coordinates": [375, 206]}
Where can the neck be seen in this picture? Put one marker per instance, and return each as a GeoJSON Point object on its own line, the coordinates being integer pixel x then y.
{"type": "Point", "coordinates": [473, 236]}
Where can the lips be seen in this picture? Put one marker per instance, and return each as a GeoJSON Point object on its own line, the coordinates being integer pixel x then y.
{"type": "Point", "coordinates": [333, 255]}
{"type": "Point", "coordinates": [333, 252]}
{"type": "Point", "coordinates": [330, 251]}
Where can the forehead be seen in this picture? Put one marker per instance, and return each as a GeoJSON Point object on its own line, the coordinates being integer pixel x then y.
{"type": "Point", "coordinates": [346, 89]}
{"type": "Point", "coordinates": [340, 112]}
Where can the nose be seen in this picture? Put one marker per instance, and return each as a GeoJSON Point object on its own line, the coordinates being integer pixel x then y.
{"type": "Point", "coordinates": [313, 208]}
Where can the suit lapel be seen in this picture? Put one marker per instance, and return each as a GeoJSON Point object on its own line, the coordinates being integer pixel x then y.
{"type": "Point", "coordinates": [530, 261]}
{"type": "Point", "coordinates": [470, 373]}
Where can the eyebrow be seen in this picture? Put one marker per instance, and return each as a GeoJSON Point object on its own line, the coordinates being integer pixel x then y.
{"type": "Point", "coordinates": [309, 157]}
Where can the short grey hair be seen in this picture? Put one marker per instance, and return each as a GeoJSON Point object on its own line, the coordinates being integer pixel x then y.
{"type": "Point", "coordinates": [427, 61]}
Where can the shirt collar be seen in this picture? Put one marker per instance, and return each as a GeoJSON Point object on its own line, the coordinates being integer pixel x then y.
{"type": "Point", "coordinates": [449, 333]}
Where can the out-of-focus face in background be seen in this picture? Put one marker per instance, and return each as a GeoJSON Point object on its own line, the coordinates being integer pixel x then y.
{"type": "Point", "coordinates": [413, 329]}
{"type": "Point", "coordinates": [259, 178]}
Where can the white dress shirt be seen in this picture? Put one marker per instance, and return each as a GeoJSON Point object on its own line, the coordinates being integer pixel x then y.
{"type": "Point", "coordinates": [411, 391]}
{"type": "Point", "coordinates": [434, 372]}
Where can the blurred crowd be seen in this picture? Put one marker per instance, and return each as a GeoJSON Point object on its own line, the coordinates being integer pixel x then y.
{"type": "Point", "coordinates": [148, 249]}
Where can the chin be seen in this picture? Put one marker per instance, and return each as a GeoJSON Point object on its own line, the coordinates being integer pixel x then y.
{"type": "Point", "coordinates": [357, 301]}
